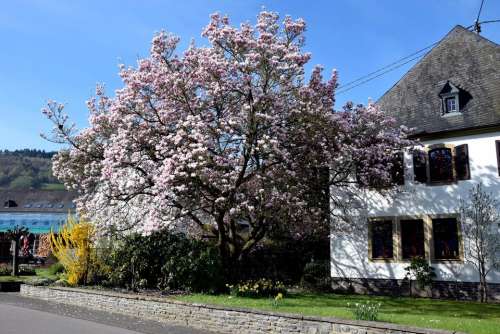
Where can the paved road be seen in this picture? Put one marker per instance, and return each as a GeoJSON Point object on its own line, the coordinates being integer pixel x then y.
{"type": "Point", "coordinates": [19, 315]}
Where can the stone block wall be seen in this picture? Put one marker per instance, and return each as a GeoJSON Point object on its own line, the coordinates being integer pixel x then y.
{"type": "Point", "coordinates": [397, 287]}
{"type": "Point", "coordinates": [213, 318]}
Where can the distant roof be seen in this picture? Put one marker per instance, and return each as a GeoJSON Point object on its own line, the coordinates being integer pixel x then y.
{"type": "Point", "coordinates": [37, 201]}
{"type": "Point", "coordinates": [466, 60]}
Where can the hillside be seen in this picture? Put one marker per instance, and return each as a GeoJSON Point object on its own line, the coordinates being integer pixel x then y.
{"type": "Point", "coordinates": [27, 169]}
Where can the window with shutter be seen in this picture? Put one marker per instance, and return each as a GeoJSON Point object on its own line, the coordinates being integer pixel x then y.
{"type": "Point", "coordinates": [462, 162]}
{"type": "Point", "coordinates": [441, 165]}
{"type": "Point", "coordinates": [420, 166]}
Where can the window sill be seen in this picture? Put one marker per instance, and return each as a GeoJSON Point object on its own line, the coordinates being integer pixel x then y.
{"type": "Point", "coordinates": [451, 114]}
{"type": "Point", "coordinates": [446, 260]}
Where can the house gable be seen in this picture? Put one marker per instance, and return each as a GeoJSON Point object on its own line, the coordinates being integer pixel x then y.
{"type": "Point", "coordinates": [462, 61]}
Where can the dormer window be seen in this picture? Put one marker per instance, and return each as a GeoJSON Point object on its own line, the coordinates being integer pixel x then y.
{"type": "Point", "coordinates": [450, 99]}
{"type": "Point", "coordinates": [451, 104]}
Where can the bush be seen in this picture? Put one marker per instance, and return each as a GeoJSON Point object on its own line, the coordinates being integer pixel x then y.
{"type": "Point", "coordinates": [38, 281]}
{"type": "Point", "coordinates": [365, 311]}
{"type": "Point", "coordinates": [283, 258]}
{"type": "Point", "coordinates": [5, 269]}
{"type": "Point", "coordinates": [56, 268]}
{"type": "Point", "coordinates": [316, 276]}
{"type": "Point", "coordinates": [166, 261]}
{"type": "Point", "coordinates": [74, 248]}
{"type": "Point", "coordinates": [26, 270]}
{"type": "Point", "coordinates": [258, 288]}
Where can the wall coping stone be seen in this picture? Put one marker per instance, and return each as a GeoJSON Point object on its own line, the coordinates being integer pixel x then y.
{"type": "Point", "coordinates": [330, 320]}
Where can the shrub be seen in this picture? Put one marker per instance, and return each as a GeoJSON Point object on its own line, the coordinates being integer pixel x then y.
{"type": "Point", "coordinates": [73, 247]}
{"type": "Point", "coordinates": [316, 276]}
{"type": "Point", "coordinates": [5, 269]}
{"type": "Point", "coordinates": [283, 258]}
{"type": "Point", "coordinates": [56, 268]}
{"type": "Point", "coordinates": [166, 261]}
{"type": "Point", "coordinates": [420, 270]}
{"type": "Point", "coordinates": [39, 281]}
{"type": "Point", "coordinates": [26, 270]}
{"type": "Point", "coordinates": [257, 288]}
{"type": "Point", "coordinates": [365, 311]}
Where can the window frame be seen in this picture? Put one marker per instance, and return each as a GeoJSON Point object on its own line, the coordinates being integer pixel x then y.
{"type": "Point", "coordinates": [370, 223]}
{"type": "Point", "coordinates": [397, 242]}
{"type": "Point", "coordinates": [453, 103]}
{"type": "Point", "coordinates": [401, 243]}
{"type": "Point", "coordinates": [428, 150]}
{"type": "Point", "coordinates": [460, 240]}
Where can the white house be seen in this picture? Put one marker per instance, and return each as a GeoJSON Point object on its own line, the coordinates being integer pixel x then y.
{"type": "Point", "coordinates": [451, 98]}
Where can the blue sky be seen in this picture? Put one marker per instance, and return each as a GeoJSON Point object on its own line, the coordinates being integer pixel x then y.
{"type": "Point", "coordinates": [61, 49]}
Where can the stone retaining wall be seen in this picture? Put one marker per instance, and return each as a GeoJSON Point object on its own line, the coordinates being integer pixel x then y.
{"type": "Point", "coordinates": [212, 318]}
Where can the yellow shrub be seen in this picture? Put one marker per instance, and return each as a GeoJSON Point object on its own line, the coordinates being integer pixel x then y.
{"type": "Point", "coordinates": [72, 246]}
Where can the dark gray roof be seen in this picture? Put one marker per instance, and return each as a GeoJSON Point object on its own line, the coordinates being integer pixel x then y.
{"type": "Point", "coordinates": [36, 201]}
{"type": "Point", "coordinates": [466, 60]}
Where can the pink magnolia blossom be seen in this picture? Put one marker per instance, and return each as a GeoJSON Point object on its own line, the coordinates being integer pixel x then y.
{"type": "Point", "coordinates": [220, 137]}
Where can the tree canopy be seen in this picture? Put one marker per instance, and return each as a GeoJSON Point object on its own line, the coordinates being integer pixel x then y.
{"type": "Point", "coordinates": [229, 137]}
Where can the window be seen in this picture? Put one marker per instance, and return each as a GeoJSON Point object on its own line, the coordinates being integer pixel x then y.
{"type": "Point", "coordinates": [446, 239]}
{"type": "Point", "coordinates": [451, 104]}
{"type": "Point", "coordinates": [450, 98]}
{"type": "Point", "coordinates": [412, 238]}
{"type": "Point", "coordinates": [381, 239]}
{"type": "Point", "coordinates": [441, 165]}
{"type": "Point", "coordinates": [498, 155]}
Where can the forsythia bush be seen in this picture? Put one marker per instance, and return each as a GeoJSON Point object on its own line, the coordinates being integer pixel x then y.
{"type": "Point", "coordinates": [72, 246]}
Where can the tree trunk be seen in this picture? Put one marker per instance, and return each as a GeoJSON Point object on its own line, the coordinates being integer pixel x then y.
{"type": "Point", "coordinates": [15, 258]}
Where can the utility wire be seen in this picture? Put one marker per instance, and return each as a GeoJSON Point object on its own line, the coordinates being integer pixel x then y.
{"type": "Point", "coordinates": [345, 86]}
{"type": "Point", "coordinates": [341, 91]}
{"type": "Point", "coordinates": [480, 9]}
{"type": "Point", "coordinates": [397, 64]}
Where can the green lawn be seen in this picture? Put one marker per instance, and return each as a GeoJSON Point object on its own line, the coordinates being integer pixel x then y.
{"type": "Point", "coordinates": [469, 317]}
{"type": "Point", "coordinates": [42, 273]}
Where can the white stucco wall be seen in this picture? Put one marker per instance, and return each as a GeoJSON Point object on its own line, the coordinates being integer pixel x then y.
{"type": "Point", "coordinates": [350, 250]}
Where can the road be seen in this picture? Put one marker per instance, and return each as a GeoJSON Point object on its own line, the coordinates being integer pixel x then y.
{"type": "Point", "coordinates": [19, 315]}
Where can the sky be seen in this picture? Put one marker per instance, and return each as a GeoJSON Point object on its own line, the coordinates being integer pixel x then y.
{"type": "Point", "coordinates": [60, 49]}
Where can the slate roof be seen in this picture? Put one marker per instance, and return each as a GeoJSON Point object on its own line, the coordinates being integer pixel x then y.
{"type": "Point", "coordinates": [37, 201]}
{"type": "Point", "coordinates": [463, 58]}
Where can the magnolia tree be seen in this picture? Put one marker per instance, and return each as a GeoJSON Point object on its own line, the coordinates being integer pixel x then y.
{"type": "Point", "coordinates": [481, 218]}
{"type": "Point", "coordinates": [229, 137]}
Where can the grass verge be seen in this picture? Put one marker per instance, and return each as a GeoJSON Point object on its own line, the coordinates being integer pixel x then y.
{"type": "Point", "coordinates": [469, 317]}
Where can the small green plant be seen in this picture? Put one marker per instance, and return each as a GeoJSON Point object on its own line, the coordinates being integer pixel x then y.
{"type": "Point", "coordinates": [365, 311]}
{"type": "Point", "coordinates": [276, 301]}
{"type": "Point", "coordinates": [420, 270]}
{"type": "Point", "coordinates": [259, 288]}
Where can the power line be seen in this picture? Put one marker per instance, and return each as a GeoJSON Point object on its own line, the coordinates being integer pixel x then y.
{"type": "Point", "coordinates": [379, 75]}
{"type": "Point", "coordinates": [397, 64]}
{"type": "Point", "coordinates": [480, 9]}
{"type": "Point", "coordinates": [345, 86]}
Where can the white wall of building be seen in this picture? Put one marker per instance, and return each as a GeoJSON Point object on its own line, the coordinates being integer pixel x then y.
{"type": "Point", "coordinates": [350, 250]}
